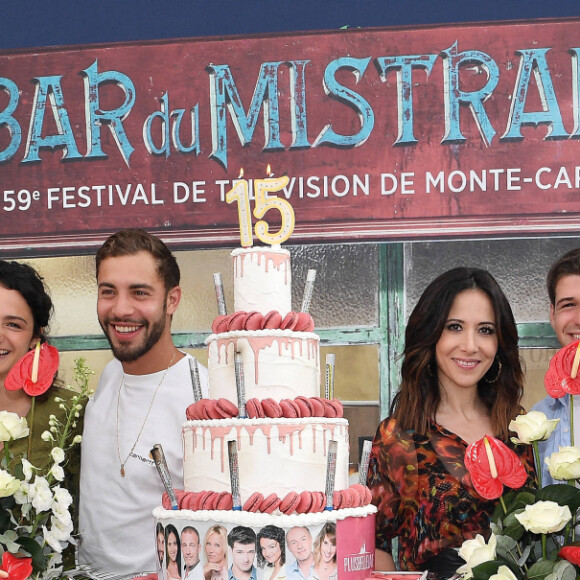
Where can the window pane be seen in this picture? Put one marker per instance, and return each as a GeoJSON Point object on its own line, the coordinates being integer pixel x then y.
{"type": "Point", "coordinates": [536, 361]}
{"type": "Point", "coordinates": [346, 287]}
{"type": "Point", "coordinates": [519, 265]}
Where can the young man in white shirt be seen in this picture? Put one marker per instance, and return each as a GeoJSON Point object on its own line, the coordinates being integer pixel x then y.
{"type": "Point", "coordinates": [140, 401]}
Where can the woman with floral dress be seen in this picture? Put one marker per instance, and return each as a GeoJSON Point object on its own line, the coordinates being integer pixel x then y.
{"type": "Point", "coordinates": [461, 380]}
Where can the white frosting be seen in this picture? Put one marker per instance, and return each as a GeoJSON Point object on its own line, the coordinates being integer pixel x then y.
{"type": "Point", "coordinates": [274, 455]}
{"type": "Point", "coordinates": [262, 280]}
{"type": "Point", "coordinates": [279, 364]}
{"type": "Point", "coordinates": [259, 519]}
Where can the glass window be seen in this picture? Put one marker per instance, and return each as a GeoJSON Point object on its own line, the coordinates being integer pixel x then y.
{"type": "Point", "coordinates": [346, 287]}
{"type": "Point", "coordinates": [519, 265]}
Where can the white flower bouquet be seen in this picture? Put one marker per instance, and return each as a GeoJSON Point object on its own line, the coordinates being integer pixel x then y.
{"type": "Point", "coordinates": [533, 531]}
{"type": "Point", "coordinates": [36, 523]}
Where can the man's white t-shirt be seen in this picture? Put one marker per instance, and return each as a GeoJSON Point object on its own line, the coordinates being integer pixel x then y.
{"type": "Point", "coordinates": [116, 525]}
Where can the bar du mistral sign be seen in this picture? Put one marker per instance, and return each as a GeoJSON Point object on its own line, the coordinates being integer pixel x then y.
{"type": "Point", "coordinates": [370, 134]}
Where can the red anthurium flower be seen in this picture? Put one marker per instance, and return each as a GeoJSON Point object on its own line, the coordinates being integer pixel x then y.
{"type": "Point", "coordinates": [492, 465]}
{"type": "Point", "coordinates": [21, 374]}
{"type": "Point", "coordinates": [571, 553]}
{"type": "Point", "coordinates": [558, 380]}
{"type": "Point", "coordinates": [16, 568]}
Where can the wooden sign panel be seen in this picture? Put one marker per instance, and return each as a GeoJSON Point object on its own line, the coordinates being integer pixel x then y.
{"type": "Point", "coordinates": [383, 134]}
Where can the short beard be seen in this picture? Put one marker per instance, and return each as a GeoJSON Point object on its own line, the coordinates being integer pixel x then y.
{"type": "Point", "coordinates": [126, 354]}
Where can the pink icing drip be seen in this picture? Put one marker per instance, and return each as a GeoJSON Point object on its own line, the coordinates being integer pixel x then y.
{"type": "Point", "coordinates": [287, 431]}
{"type": "Point", "coordinates": [277, 259]}
{"type": "Point", "coordinates": [259, 343]}
{"type": "Point", "coordinates": [219, 433]}
{"type": "Point", "coordinates": [263, 260]}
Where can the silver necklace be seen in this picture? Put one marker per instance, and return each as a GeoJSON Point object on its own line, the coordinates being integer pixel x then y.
{"type": "Point", "coordinates": [123, 463]}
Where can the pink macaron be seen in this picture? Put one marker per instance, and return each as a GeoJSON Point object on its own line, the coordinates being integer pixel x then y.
{"type": "Point", "coordinates": [187, 501]}
{"type": "Point", "coordinates": [289, 503]}
{"type": "Point", "coordinates": [362, 492]}
{"type": "Point", "coordinates": [304, 323]}
{"type": "Point", "coordinates": [226, 408]}
{"type": "Point", "coordinates": [338, 407]}
{"type": "Point", "coordinates": [190, 414]}
{"type": "Point", "coordinates": [237, 321]}
{"type": "Point", "coordinates": [318, 502]}
{"type": "Point", "coordinates": [254, 409]}
{"type": "Point", "coordinates": [270, 503]}
{"type": "Point", "coordinates": [272, 320]}
{"type": "Point", "coordinates": [225, 501]}
{"type": "Point", "coordinates": [305, 502]}
{"type": "Point", "coordinates": [329, 410]}
{"type": "Point", "coordinates": [215, 326]}
{"type": "Point", "coordinates": [210, 501]}
{"type": "Point", "coordinates": [289, 321]}
{"type": "Point", "coordinates": [317, 406]}
{"type": "Point", "coordinates": [253, 503]}
{"type": "Point", "coordinates": [337, 500]}
{"type": "Point", "coordinates": [222, 325]}
{"type": "Point", "coordinates": [272, 408]}
{"type": "Point", "coordinates": [304, 405]}
{"type": "Point", "coordinates": [254, 321]}
{"type": "Point", "coordinates": [289, 409]}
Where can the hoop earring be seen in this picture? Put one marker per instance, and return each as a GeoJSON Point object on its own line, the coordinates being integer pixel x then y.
{"type": "Point", "coordinates": [498, 374]}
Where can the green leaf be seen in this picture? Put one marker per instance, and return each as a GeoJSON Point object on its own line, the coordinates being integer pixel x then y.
{"type": "Point", "coordinates": [513, 528]}
{"type": "Point", "coordinates": [563, 570]}
{"type": "Point", "coordinates": [507, 547]}
{"type": "Point", "coordinates": [540, 570]}
{"type": "Point", "coordinates": [562, 494]}
{"type": "Point", "coordinates": [8, 539]}
{"type": "Point", "coordinates": [38, 558]}
{"type": "Point", "coordinates": [485, 570]}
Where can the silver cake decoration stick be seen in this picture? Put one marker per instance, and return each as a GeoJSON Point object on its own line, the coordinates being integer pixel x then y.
{"type": "Point", "coordinates": [234, 474]}
{"type": "Point", "coordinates": [240, 385]}
{"type": "Point", "coordinates": [159, 458]}
{"type": "Point", "coordinates": [195, 381]}
{"type": "Point", "coordinates": [330, 472]}
{"type": "Point", "coordinates": [329, 383]}
{"type": "Point", "coordinates": [364, 461]}
{"type": "Point", "coordinates": [219, 293]}
{"type": "Point", "coordinates": [308, 289]}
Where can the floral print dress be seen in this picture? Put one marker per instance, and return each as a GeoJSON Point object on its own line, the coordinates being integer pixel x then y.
{"type": "Point", "coordinates": [424, 493]}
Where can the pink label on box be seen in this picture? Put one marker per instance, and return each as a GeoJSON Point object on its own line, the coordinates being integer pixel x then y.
{"type": "Point", "coordinates": [355, 543]}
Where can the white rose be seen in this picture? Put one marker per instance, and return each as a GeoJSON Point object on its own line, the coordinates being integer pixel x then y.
{"type": "Point", "coordinates": [533, 426]}
{"type": "Point", "coordinates": [57, 455]}
{"type": "Point", "coordinates": [564, 464]}
{"type": "Point", "coordinates": [503, 573]}
{"type": "Point", "coordinates": [12, 426]}
{"type": "Point", "coordinates": [8, 484]}
{"type": "Point", "coordinates": [476, 552]}
{"type": "Point", "coordinates": [40, 494]}
{"type": "Point", "coordinates": [544, 517]}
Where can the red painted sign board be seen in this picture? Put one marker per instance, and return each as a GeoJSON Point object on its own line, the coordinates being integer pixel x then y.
{"type": "Point", "coordinates": [385, 134]}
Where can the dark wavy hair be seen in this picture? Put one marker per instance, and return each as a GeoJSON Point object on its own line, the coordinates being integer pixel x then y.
{"type": "Point", "coordinates": [171, 529]}
{"type": "Point", "coordinates": [418, 398]}
{"type": "Point", "coordinates": [30, 285]}
{"type": "Point", "coordinates": [271, 533]}
{"type": "Point", "coordinates": [132, 241]}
